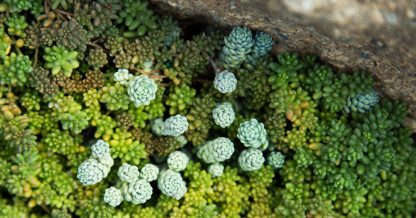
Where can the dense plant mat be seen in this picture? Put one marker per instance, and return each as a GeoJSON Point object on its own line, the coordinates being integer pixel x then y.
{"type": "Point", "coordinates": [111, 110]}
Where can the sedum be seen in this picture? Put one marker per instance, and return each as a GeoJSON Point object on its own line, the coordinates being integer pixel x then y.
{"type": "Point", "coordinates": [237, 46]}
{"type": "Point", "coordinates": [177, 161]}
{"type": "Point", "coordinates": [276, 159]}
{"type": "Point", "coordinates": [141, 90]}
{"type": "Point", "coordinates": [149, 172]}
{"type": "Point", "coordinates": [123, 76]}
{"type": "Point", "coordinates": [111, 72]}
{"type": "Point", "coordinates": [128, 173]}
{"type": "Point", "coordinates": [251, 159]}
{"type": "Point", "coordinates": [253, 134]}
{"type": "Point", "coordinates": [175, 125]}
{"type": "Point", "coordinates": [217, 150]}
{"type": "Point", "coordinates": [171, 184]}
{"type": "Point", "coordinates": [225, 82]}
{"type": "Point", "coordinates": [138, 192]}
{"type": "Point", "coordinates": [113, 196]}
{"type": "Point", "coordinates": [216, 169]}
{"type": "Point", "coordinates": [362, 102]}
{"type": "Point", "coordinates": [223, 114]}
{"type": "Point", "coordinates": [91, 172]}
{"type": "Point", "coordinates": [100, 149]}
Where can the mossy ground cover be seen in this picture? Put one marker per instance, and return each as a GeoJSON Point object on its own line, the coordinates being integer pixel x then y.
{"type": "Point", "coordinates": [111, 110]}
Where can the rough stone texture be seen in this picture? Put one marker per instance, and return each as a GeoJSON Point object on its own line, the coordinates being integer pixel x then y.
{"type": "Point", "coordinates": [373, 36]}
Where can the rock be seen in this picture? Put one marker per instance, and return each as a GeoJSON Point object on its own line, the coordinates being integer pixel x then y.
{"type": "Point", "coordinates": [351, 35]}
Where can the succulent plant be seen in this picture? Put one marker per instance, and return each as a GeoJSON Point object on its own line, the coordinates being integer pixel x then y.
{"type": "Point", "coordinates": [88, 85]}
{"type": "Point", "coordinates": [138, 192]}
{"type": "Point", "coordinates": [175, 125]}
{"type": "Point", "coordinates": [238, 45]}
{"type": "Point", "coordinates": [128, 173]}
{"type": "Point", "coordinates": [149, 172]}
{"type": "Point", "coordinates": [123, 76]}
{"type": "Point", "coordinates": [225, 82]}
{"type": "Point", "coordinates": [100, 149]}
{"type": "Point", "coordinates": [276, 159]}
{"type": "Point", "coordinates": [113, 196]}
{"type": "Point", "coordinates": [137, 17]}
{"type": "Point", "coordinates": [217, 150]}
{"type": "Point", "coordinates": [15, 70]}
{"type": "Point", "coordinates": [216, 169]}
{"type": "Point", "coordinates": [251, 159]}
{"type": "Point", "coordinates": [263, 43]}
{"type": "Point", "coordinates": [141, 90]}
{"type": "Point", "coordinates": [177, 161]}
{"type": "Point", "coordinates": [91, 172]}
{"type": "Point", "coordinates": [362, 102]}
{"type": "Point", "coordinates": [61, 60]}
{"type": "Point", "coordinates": [171, 184]}
{"type": "Point", "coordinates": [253, 134]}
{"type": "Point", "coordinates": [16, 26]}
{"type": "Point", "coordinates": [223, 114]}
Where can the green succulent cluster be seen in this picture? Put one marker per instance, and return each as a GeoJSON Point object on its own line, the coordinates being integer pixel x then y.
{"type": "Point", "coordinates": [237, 46]}
{"type": "Point", "coordinates": [362, 102]}
{"type": "Point", "coordinates": [16, 26]}
{"type": "Point", "coordinates": [16, 6]}
{"type": "Point", "coordinates": [60, 60]}
{"type": "Point", "coordinates": [180, 99]}
{"type": "Point", "coordinates": [141, 90]}
{"type": "Point", "coordinates": [15, 132]}
{"type": "Point", "coordinates": [114, 96]}
{"type": "Point", "coordinates": [69, 113]}
{"type": "Point", "coordinates": [31, 101]}
{"type": "Point", "coordinates": [15, 69]}
{"type": "Point", "coordinates": [240, 46]}
{"type": "Point", "coordinates": [94, 169]}
{"type": "Point", "coordinates": [109, 110]}
{"type": "Point", "coordinates": [96, 17]}
{"type": "Point", "coordinates": [97, 58]}
{"type": "Point", "coordinates": [217, 150]}
{"type": "Point", "coordinates": [137, 18]}
{"type": "Point", "coordinates": [200, 119]}
{"type": "Point", "coordinates": [223, 114]}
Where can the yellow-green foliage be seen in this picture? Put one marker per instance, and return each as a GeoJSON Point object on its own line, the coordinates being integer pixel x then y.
{"type": "Point", "coordinates": [342, 150]}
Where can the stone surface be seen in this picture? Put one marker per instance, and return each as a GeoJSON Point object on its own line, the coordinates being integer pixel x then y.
{"type": "Point", "coordinates": [373, 36]}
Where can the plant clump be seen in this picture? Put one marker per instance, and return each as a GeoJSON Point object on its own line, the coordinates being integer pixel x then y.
{"type": "Point", "coordinates": [109, 109]}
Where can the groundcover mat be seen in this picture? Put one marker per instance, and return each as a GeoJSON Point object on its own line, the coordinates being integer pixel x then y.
{"type": "Point", "coordinates": [109, 109]}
